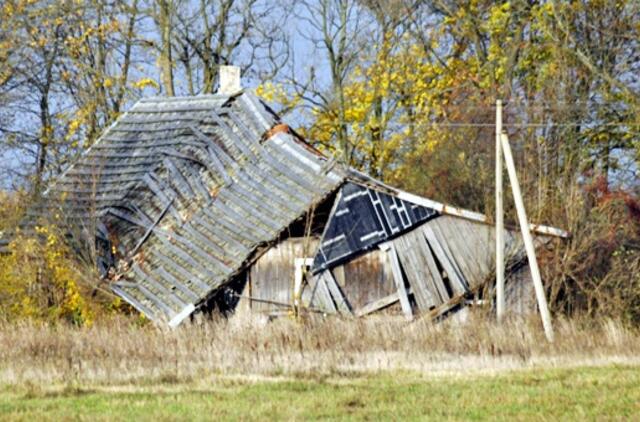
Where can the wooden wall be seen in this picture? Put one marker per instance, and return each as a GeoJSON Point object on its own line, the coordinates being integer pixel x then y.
{"type": "Point", "coordinates": [439, 262]}
{"type": "Point", "coordinates": [366, 278]}
{"type": "Point", "coordinates": [362, 280]}
{"type": "Point", "coordinates": [271, 277]}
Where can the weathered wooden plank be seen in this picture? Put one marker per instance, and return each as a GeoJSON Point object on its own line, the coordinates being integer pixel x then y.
{"type": "Point", "coordinates": [252, 204]}
{"type": "Point", "coordinates": [238, 141]}
{"type": "Point", "coordinates": [377, 305]}
{"type": "Point", "coordinates": [453, 273]}
{"type": "Point", "coordinates": [452, 255]}
{"type": "Point", "coordinates": [219, 166]}
{"type": "Point", "coordinates": [320, 296]}
{"type": "Point", "coordinates": [342, 304]}
{"type": "Point", "coordinates": [135, 302]}
{"type": "Point", "coordinates": [216, 234]}
{"type": "Point", "coordinates": [242, 215]}
{"type": "Point", "coordinates": [178, 178]}
{"type": "Point", "coordinates": [273, 274]}
{"type": "Point", "coordinates": [447, 306]}
{"type": "Point", "coordinates": [475, 240]}
{"type": "Point", "coordinates": [448, 234]}
{"type": "Point", "coordinates": [218, 171]}
{"type": "Point", "coordinates": [190, 278]}
{"type": "Point", "coordinates": [153, 298]}
{"type": "Point", "coordinates": [151, 228]}
{"type": "Point", "coordinates": [187, 257]}
{"type": "Point", "coordinates": [246, 234]}
{"type": "Point", "coordinates": [252, 107]}
{"type": "Point", "coordinates": [399, 280]}
{"type": "Point", "coordinates": [146, 144]}
{"type": "Point", "coordinates": [178, 108]}
{"type": "Point", "coordinates": [243, 128]}
{"type": "Point", "coordinates": [156, 187]}
{"type": "Point", "coordinates": [287, 171]}
{"type": "Point", "coordinates": [366, 278]}
{"type": "Point", "coordinates": [410, 254]}
{"type": "Point", "coordinates": [436, 276]}
{"type": "Point", "coordinates": [143, 276]}
{"type": "Point", "coordinates": [208, 243]}
{"type": "Point", "coordinates": [177, 283]}
{"type": "Point", "coordinates": [196, 180]}
{"type": "Point", "coordinates": [268, 191]}
{"type": "Point", "coordinates": [481, 235]}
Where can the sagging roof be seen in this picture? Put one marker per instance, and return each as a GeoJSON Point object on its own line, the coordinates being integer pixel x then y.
{"type": "Point", "coordinates": [181, 192]}
{"type": "Point", "coordinates": [185, 189]}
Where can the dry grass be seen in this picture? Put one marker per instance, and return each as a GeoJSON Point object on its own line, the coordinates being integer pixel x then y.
{"type": "Point", "coordinates": [122, 352]}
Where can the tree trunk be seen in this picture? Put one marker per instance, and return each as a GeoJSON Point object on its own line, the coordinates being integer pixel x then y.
{"type": "Point", "coordinates": [166, 61]}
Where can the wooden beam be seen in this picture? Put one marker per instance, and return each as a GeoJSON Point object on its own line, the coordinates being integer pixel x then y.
{"type": "Point", "coordinates": [151, 228]}
{"type": "Point", "coordinates": [458, 283]}
{"type": "Point", "coordinates": [445, 307]}
{"type": "Point", "coordinates": [446, 209]}
{"type": "Point", "coordinates": [398, 279]}
{"type": "Point", "coordinates": [527, 238]}
{"type": "Point", "coordinates": [320, 296]}
{"type": "Point", "coordinates": [377, 305]}
{"type": "Point", "coordinates": [338, 297]}
{"type": "Point", "coordinates": [500, 302]}
{"type": "Point", "coordinates": [298, 274]}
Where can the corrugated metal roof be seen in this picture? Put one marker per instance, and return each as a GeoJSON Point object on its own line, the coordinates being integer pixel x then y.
{"type": "Point", "coordinates": [190, 185]}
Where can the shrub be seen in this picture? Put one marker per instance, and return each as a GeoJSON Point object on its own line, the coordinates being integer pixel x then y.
{"type": "Point", "coordinates": [40, 279]}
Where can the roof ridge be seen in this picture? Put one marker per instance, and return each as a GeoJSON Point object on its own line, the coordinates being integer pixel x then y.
{"type": "Point", "coordinates": [198, 97]}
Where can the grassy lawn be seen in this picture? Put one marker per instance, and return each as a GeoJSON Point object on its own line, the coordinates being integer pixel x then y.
{"type": "Point", "coordinates": [581, 393]}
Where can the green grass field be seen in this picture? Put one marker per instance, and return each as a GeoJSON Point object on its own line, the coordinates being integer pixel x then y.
{"type": "Point", "coordinates": [580, 393]}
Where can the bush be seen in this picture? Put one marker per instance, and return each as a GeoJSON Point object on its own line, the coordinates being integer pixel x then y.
{"type": "Point", "coordinates": [41, 280]}
{"type": "Point", "coordinates": [598, 271]}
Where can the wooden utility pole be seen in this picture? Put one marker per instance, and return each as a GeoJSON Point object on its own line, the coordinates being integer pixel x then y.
{"type": "Point", "coordinates": [527, 238]}
{"type": "Point", "coordinates": [500, 302]}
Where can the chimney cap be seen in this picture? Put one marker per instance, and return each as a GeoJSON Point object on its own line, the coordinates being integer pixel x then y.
{"type": "Point", "coordinates": [229, 77]}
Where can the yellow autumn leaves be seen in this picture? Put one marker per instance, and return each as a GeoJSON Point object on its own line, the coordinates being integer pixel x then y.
{"type": "Point", "coordinates": [40, 280]}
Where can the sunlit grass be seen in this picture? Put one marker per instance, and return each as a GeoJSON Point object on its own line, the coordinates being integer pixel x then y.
{"type": "Point", "coordinates": [609, 392]}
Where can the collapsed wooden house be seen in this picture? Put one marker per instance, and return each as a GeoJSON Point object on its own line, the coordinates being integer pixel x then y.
{"type": "Point", "coordinates": [212, 202]}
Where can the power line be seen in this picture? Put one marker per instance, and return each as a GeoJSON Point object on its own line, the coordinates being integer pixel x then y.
{"type": "Point", "coordinates": [572, 124]}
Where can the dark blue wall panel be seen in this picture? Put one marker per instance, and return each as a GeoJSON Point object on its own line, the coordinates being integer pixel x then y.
{"type": "Point", "coordinates": [362, 219]}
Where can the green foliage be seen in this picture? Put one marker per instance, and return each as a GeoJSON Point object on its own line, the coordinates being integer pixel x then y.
{"type": "Point", "coordinates": [556, 394]}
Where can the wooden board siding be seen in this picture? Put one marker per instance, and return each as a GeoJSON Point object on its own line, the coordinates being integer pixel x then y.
{"type": "Point", "coordinates": [415, 256]}
{"type": "Point", "coordinates": [519, 293]}
{"type": "Point", "coordinates": [448, 257]}
{"type": "Point", "coordinates": [271, 277]}
{"type": "Point", "coordinates": [439, 261]}
{"type": "Point", "coordinates": [365, 279]}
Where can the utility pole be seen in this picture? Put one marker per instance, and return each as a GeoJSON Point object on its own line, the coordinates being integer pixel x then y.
{"type": "Point", "coordinates": [500, 302]}
{"type": "Point", "coordinates": [527, 238]}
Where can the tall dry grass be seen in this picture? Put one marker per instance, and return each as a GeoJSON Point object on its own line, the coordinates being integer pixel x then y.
{"type": "Point", "coordinates": [120, 351]}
